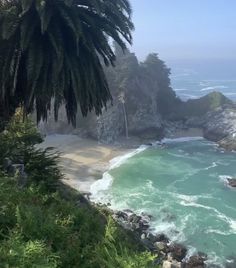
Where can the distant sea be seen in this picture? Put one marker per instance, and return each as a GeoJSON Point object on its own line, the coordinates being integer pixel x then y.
{"type": "Point", "coordinates": [183, 185]}
{"type": "Point", "coordinates": [195, 78]}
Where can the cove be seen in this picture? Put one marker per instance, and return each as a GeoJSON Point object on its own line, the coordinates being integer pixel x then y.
{"type": "Point", "coordinates": [183, 186]}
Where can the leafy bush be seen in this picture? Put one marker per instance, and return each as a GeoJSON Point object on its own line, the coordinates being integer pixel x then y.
{"type": "Point", "coordinates": [47, 225]}
{"type": "Point", "coordinates": [199, 107]}
{"type": "Point", "coordinates": [19, 135]}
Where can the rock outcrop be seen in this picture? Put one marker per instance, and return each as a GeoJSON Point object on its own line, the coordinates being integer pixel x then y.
{"type": "Point", "coordinates": [220, 126]}
{"type": "Point", "coordinates": [232, 182]}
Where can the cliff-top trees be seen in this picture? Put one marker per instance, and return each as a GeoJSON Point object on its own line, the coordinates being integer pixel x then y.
{"type": "Point", "coordinates": [51, 49]}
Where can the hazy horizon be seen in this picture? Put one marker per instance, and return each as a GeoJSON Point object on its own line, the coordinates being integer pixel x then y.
{"type": "Point", "coordinates": [185, 30]}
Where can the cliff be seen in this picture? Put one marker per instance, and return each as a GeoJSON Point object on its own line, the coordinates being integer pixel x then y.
{"type": "Point", "coordinates": [144, 105]}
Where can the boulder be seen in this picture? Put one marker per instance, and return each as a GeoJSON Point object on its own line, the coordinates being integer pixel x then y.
{"type": "Point", "coordinates": [220, 126]}
{"type": "Point", "coordinates": [121, 214]}
{"type": "Point", "coordinates": [143, 225]}
{"type": "Point", "coordinates": [174, 264]}
{"type": "Point", "coordinates": [231, 182]}
{"type": "Point", "coordinates": [151, 237]}
{"type": "Point", "coordinates": [128, 211]}
{"type": "Point", "coordinates": [134, 218]}
{"type": "Point", "coordinates": [161, 246]}
{"type": "Point", "coordinates": [148, 244]}
{"type": "Point", "coordinates": [162, 238]}
{"type": "Point", "coordinates": [178, 251]}
{"type": "Point", "coordinates": [195, 261]}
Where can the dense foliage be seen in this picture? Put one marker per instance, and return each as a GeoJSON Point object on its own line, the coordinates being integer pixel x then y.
{"type": "Point", "coordinates": [150, 77]}
{"type": "Point", "coordinates": [199, 107]}
{"type": "Point", "coordinates": [52, 50]}
{"type": "Point", "coordinates": [47, 225]}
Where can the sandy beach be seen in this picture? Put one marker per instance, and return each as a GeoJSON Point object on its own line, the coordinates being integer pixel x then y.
{"type": "Point", "coordinates": [83, 161]}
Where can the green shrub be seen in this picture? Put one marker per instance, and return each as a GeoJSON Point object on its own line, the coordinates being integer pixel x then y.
{"type": "Point", "coordinates": [45, 225]}
{"type": "Point", "coordinates": [19, 135]}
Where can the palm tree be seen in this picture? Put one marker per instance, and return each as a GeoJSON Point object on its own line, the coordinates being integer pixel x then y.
{"type": "Point", "coordinates": [55, 50]}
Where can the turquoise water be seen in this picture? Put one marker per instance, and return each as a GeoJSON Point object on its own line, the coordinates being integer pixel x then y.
{"type": "Point", "coordinates": [183, 187]}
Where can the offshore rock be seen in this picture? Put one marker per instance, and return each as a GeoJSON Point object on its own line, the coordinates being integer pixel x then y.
{"type": "Point", "coordinates": [231, 182]}
{"type": "Point", "coordinates": [220, 127]}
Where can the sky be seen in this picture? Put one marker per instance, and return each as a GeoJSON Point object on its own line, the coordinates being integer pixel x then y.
{"type": "Point", "coordinates": [185, 29]}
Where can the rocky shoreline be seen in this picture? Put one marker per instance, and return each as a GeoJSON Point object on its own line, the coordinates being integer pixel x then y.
{"type": "Point", "coordinates": [168, 253]}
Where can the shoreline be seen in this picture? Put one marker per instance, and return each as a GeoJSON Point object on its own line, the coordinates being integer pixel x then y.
{"type": "Point", "coordinates": [83, 161]}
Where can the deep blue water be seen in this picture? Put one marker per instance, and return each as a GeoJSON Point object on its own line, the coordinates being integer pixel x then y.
{"type": "Point", "coordinates": [195, 78]}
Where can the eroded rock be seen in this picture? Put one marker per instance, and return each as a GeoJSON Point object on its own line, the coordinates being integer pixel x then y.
{"type": "Point", "coordinates": [178, 251]}
{"type": "Point", "coordinates": [231, 182]}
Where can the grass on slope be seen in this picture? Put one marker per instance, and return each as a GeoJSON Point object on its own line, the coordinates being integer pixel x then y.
{"type": "Point", "coordinates": [43, 224]}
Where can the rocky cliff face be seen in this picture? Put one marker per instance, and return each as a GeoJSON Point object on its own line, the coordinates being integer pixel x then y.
{"type": "Point", "coordinates": [135, 89]}
{"type": "Point", "coordinates": [220, 126]}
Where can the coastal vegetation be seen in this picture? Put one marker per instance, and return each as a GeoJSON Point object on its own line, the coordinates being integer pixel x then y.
{"type": "Point", "coordinates": [53, 50]}
{"type": "Point", "coordinates": [44, 223]}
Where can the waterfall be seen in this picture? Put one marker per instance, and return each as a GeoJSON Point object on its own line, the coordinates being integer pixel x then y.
{"type": "Point", "coordinates": [121, 98]}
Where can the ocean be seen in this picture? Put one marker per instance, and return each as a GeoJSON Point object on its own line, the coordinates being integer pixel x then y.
{"type": "Point", "coordinates": [192, 79]}
{"type": "Point", "coordinates": [183, 186]}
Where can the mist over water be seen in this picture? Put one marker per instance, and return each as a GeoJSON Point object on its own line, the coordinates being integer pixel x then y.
{"type": "Point", "coordinates": [195, 78]}
{"type": "Point", "coordinates": [184, 187]}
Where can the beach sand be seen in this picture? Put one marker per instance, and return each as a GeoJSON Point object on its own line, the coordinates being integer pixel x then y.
{"type": "Point", "coordinates": [83, 161]}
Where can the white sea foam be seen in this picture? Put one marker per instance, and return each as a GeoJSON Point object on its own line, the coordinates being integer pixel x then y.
{"type": "Point", "coordinates": [223, 178]}
{"type": "Point", "coordinates": [180, 89]}
{"type": "Point", "coordinates": [98, 188]}
{"type": "Point", "coordinates": [216, 231]}
{"type": "Point", "coordinates": [231, 222]}
{"type": "Point", "coordinates": [213, 259]}
{"type": "Point", "coordinates": [214, 164]}
{"type": "Point", "coordinates": [187, 198]}
{"type": "Point", "coordinates": [119, 160]}
{"type": "Point", "coordinates": [213, 87]}
{"type": "Point", "coordinates": [102, 184]}
{"type": "Point", "coordinates": [182, 139]}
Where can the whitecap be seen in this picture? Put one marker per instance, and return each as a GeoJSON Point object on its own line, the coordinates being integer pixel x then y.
{"type": "Point", "coordinates": [119, 160]}
{"type": "Point", "coordinates": [213, 259]}
{"type": "Point", "coordinates": [213, 87]}
{"type": "Point", "coordinates": [182, 139]}
{"type": "Point", "coordinates": [187, 198]}
{"type": "Point", "coordinates": [224, 179]}
{"type": "Point", "coordinates": [98, 188]}
{"type": "Point", "coordinates": [180, 89]}
{"type": "Point", "coordinates": [214, 164]}
{"type": "Point", "coordinates": [216, 231]}
{"type": "Point", "coordinates": [149, 185]}
{"type": "Point", "coordinates": [231, 222]}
